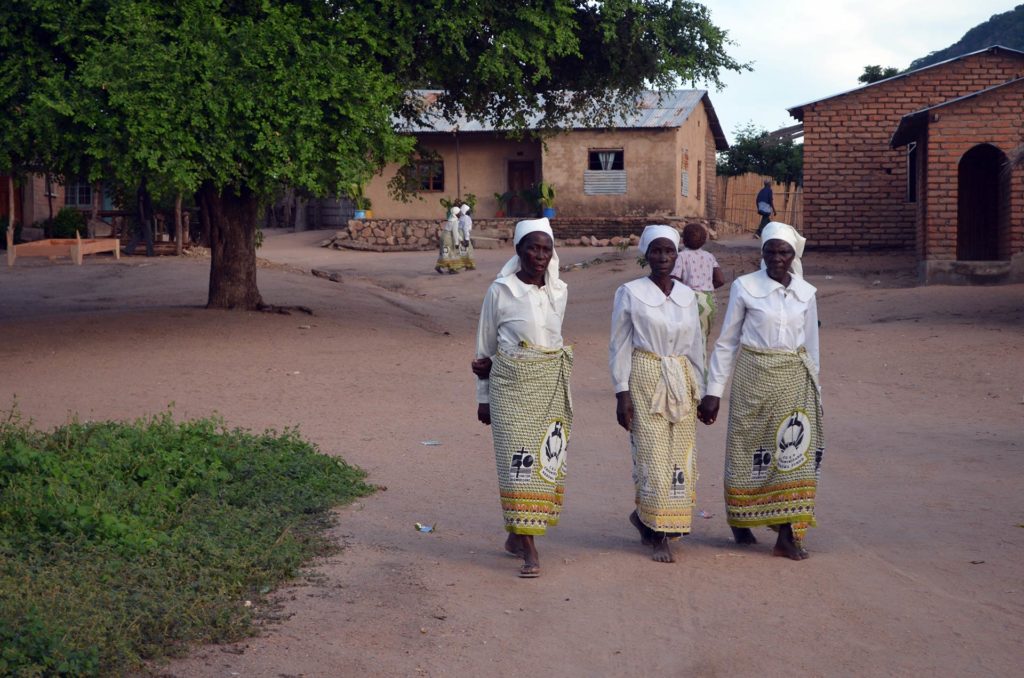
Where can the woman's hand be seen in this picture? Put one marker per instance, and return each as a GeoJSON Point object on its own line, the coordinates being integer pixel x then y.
{"type": "Point", "coordinates": [482, 368]}
{"type": "Point", "coordinates": [707, 411]}
{"type": "Point", "coordinates": [624, 409]}
{"type": "Point", "coordinates": [483, 413]}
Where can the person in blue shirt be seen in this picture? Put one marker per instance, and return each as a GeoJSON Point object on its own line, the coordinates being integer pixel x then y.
{"type": "Point", "coordinates": [765, 205]}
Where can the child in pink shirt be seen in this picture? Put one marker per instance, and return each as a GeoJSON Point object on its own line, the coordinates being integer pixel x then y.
{"type": "Point", "coordinates": [699, 271]}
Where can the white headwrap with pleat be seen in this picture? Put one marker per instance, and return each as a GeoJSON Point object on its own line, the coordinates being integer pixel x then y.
{"type": "Point", "coordinates": [776, 230]}
{"type": "Point", "coordinates": [552, 283]}
{"type": "Point", "coordinates": [655, 231]}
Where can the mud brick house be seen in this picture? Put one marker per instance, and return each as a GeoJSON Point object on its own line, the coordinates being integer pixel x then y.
{"type": "Point", "coordinates": [919, 161]}
{"type": "Point", "coordinates": [659, 160]}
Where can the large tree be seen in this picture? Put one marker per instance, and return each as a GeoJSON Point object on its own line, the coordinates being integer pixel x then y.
{"type": "Point", "coordinates": [234, 99]}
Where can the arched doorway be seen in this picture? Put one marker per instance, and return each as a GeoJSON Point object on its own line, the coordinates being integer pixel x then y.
{"type": "Point", "coordinates": [982, 204]}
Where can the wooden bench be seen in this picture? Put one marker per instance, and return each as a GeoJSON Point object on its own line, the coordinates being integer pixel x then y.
{"type": "Point", "coordinates": [51, 248]}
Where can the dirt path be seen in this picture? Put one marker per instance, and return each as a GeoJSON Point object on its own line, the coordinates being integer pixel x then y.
{"type": "Point", "coordinates": [914, 570]}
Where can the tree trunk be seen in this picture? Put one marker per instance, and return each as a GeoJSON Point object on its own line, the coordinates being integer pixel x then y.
{"type": "Point", "coordinates": [204, 221]}
{"type": "Point", "coordinates": [232, 248]}
{"type": "Point", "coordinates": [178, 230]}
{"type": "Point", "coordinates": [300, 215]}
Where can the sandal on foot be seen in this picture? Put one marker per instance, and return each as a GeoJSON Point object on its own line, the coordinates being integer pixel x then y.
{"type": "Point", "coordinates": [529, 571]}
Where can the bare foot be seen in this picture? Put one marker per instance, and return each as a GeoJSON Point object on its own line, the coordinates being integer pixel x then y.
{"type": "Point", "coordinates": [646, 533]}
{"type": "Point", "coordinates": [513, 545]}
{"type": "Point", "coordinates": [662, 553]}
{"type": "Point", "coordinates": [786, 546]}
{"type": "Point", "coordinates": [531, 559]}
{"type": "Point", "coordinates": [744, 536]}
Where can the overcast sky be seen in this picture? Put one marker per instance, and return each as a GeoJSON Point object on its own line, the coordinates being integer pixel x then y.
{"type": "Point", "coordinates": [803, 50]}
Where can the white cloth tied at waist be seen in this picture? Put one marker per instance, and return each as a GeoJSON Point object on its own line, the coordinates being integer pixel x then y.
{"type": "Point", "coordinates": [674, 395]}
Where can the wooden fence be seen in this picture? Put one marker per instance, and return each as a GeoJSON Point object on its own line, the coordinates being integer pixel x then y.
{"type": "Point", "coordinates": [734, 201]}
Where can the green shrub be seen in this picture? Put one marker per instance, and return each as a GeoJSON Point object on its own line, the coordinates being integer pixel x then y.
{"type": "Point", "coordinates": [66, 223]}
{"type": "Point", "coordinates": [121, 542]}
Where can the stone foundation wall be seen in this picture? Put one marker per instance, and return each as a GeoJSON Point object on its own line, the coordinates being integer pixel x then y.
{"type": "Point", "coordinates": [405, 235]}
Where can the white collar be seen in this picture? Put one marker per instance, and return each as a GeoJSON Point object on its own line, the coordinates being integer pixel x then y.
{"type": "Point", "coordinates": [646, 291]}
{"type": "Point", "coordinates": [759, 285]}
{"type": "Point", "coordinates": [518, 288]}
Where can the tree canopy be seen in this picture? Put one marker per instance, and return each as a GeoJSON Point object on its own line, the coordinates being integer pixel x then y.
{"type": "Point", "coordinates": [875, 73]}
{"type": "Point", "coordinates": [235, 99]}
{"type": "Point", "coordinates": [756, 150]}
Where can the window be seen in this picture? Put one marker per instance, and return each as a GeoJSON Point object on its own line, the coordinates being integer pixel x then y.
{"type": "Point", "coordinates": [605, 173]}
{"type": "Point", "coordinates": [605, 159]}
{"type": "Point", "coordinates": [912, 171]}
{"type": "Point", "coordinates": [78, 194]}
{"type": "Point", "coordinates": [700, 177]}
{"type": "Point", "coordinates": [429, 175]}
{"type": "Point", "coordinates": [684, 174]}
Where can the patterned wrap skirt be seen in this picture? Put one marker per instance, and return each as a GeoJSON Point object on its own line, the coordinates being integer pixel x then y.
{"type": "Point", "coordinates": [448, 258]}
{"type": "Point", "coordinates": [706, 309]}
{"type": "Point", "coordinates": [775, 442]}
{"type": "Point", "coordinates": [466, 254]}
{"type": "Point", "coordinates": [531, 418]}
{"type": "Point", "coordinates": [664, 453]}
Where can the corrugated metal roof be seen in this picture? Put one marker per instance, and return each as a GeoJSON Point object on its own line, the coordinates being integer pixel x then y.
{"type": "Point", "coordinates": [657, 109]}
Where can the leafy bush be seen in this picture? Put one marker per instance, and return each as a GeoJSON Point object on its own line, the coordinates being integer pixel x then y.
{"type": "Point", "coordinates": [66, 223]}
{"type": "Point", "coordinates": [120, 542]}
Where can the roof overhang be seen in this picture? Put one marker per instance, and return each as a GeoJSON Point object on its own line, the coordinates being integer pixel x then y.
{"type": "Point", "coordinates": [798, 111]}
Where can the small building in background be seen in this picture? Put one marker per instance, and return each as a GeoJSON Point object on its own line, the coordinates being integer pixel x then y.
{"type": "Point", "coordinates": [657, 161]}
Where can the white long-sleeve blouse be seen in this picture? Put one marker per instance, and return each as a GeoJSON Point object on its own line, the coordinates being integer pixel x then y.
{"type": "Point", "coordinates": [763, 313]}
{"type": "Point", "coordinates": [644, 317]}
{"type": "Point", "coordinates": [514, 312]}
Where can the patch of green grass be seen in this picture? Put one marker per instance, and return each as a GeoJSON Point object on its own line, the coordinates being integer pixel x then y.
{"type": "Point", "coordinates": [121, 542]}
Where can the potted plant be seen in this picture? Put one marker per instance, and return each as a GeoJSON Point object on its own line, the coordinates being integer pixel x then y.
{"type": "Point", "coordinates": [360, 202]}
{"type": "Point", "coordinates": [546, 193]}
{"type": "Point", "coordinates": [502, 199]}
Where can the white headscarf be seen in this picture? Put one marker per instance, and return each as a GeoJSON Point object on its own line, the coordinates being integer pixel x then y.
{"type": "Point", "coordinates": [464, 209]}
{"type": "Point", "coordinates": [655, 231]}
{"type": "Point", "coordinates": [776, 230]}
{"type": "Point", "coordinates": [552, 283]}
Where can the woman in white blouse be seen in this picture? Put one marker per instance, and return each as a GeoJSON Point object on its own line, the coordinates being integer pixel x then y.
{"type": "Point", "coordinates": [448, 259]}
{"type": "Point", "coordinates": [775, 443]}
{"type": "Point", "coordinates": [656, 357]}
{"type": "Point", "coordinates": [523, 370]}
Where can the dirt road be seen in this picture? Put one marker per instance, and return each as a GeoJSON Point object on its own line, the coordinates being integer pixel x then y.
{"type": "Point", "coordinates": [915, 569]}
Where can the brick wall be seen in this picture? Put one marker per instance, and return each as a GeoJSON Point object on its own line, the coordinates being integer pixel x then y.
{"type": "Point", "coordinates": [995, 118]}
{"type": "Point", "coordinates": [854, 184]}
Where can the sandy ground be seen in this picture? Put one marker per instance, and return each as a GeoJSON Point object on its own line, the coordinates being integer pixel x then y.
{"type": "Point", "coordinates": [915, 568]}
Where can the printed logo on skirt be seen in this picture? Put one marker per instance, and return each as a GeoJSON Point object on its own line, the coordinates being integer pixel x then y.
{"type": "Point", "coordinates": [793, 439]}
{"type": "Point", "coordinates": [521, 468]}
{"type": "Point", "coordinates": [552, 451]}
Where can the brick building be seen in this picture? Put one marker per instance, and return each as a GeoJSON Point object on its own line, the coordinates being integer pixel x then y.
{"type": "Point", "coordinates": [970, 206]}
{"type": "Point", "coordinates": [879, 172]}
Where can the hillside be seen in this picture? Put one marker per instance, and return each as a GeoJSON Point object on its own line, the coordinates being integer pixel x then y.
{"type": "Point", "coordinates": [1006, 29]}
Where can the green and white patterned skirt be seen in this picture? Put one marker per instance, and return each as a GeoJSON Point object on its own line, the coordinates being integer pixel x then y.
{"type": "Point", "coordinates": [448, 258]}
{"type": "Point", "coordinates": [664, 453]}
{"type": "Point", "coordinates": [531, 418]}
{"type": "Point", "coordinates": [775, 442]}
{"type": "Point", "coordinates": [706, 311]}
